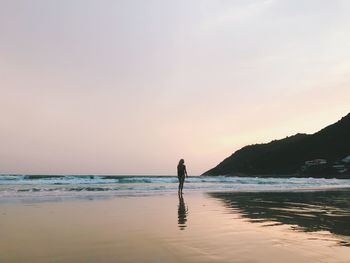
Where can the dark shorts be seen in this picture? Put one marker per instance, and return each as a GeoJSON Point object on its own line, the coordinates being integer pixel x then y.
{"type": "Point", "coordinates": [181, 178]}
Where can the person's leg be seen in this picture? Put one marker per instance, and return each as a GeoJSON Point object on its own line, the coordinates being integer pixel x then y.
{"type": "Point", "coordinates": [182, 183]}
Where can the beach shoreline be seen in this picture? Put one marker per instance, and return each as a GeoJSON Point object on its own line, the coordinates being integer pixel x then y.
{"type": "Point", "coordinates": [199, 228]}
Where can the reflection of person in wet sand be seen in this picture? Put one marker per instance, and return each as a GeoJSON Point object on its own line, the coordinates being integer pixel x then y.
{"type": "Point", "coordinates": [182, 213]}
{"type": "Point", "coordinates": [181, 174]}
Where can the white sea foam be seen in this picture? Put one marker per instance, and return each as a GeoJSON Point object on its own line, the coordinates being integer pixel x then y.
{"type": "Point", "coordinates": [13, 187]}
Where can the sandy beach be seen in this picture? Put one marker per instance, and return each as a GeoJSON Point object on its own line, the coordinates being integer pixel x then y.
{"type": "Point", "coordinates": [200, 227]}
{"type": "Point", "coordinates": [110, 109]}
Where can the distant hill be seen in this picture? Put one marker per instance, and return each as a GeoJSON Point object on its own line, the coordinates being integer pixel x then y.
{"type": "Point", "coordinates": [286, 156]}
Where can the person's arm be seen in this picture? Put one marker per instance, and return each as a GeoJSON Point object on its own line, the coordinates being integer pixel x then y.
{"type": "Point", "coordinates": [186, 172]}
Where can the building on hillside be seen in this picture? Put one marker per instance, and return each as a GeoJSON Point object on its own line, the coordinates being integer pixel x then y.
{"type": "Point", "coordinates": [340, 168]}
{"type": "Point", "coordinates": [346, 159]}
{"type": "Point", "coordinates": [314, 165]}
{"type": "Point", "coordinates": [315, 162]}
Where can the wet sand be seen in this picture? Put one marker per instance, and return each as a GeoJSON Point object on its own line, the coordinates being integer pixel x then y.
{"type": "Point", "coordinates": [200, 227]}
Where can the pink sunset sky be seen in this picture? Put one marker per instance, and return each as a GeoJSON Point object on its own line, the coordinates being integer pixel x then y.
{"type": "Point", "coordinates": [130, 87]}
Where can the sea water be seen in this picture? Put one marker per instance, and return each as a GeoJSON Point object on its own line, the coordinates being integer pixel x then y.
{"type": "Point", "coordinates": [15, 188]}
{"type": "Point", "coordinates": [142, 219]}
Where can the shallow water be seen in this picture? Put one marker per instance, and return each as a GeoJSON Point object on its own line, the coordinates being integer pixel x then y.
{"type": "Point", "coordinates": [307, 211]}
{"type": "Point", "coordinates": [142, 219]}
{"type": "Point", "coordinates": [198, 227]}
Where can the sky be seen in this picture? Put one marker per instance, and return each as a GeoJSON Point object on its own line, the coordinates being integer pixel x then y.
{"type": "Point", "coordinates": [130, 87]}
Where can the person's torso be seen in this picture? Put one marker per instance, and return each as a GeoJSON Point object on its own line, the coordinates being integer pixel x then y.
{"type": "Point", "coordinates": [181, 169]}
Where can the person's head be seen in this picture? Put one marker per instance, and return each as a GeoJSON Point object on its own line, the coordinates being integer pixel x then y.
{"type": "Point", "coordinates": [182, 161]}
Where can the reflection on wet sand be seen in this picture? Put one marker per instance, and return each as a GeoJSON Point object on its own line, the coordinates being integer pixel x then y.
{"type": "Point", "coordinates": [307, 210]}
{"type": "Point", "coordinates": [182, 213]}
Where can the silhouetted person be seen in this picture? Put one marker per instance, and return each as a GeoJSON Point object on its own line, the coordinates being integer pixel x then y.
{"type": "Point", "coordinates": [181, 174]}
{"type": "Point", "coordinates": [182, 213]}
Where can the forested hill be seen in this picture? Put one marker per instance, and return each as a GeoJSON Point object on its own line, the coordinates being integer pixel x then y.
{"type": "Point", "coordinates": [286, 156]}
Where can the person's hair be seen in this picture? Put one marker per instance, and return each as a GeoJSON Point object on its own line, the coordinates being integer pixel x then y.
{"type": "Point", "coordinates": [181, 161]}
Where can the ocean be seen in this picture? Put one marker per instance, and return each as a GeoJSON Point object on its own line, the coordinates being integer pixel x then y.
{"type": "Point", "coordinates": [91, 218]}
{"type": "Point", "coordinates": [21, 188]}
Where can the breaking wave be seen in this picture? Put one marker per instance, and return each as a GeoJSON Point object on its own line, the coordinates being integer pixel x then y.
{"type": "Point", "coordinates": [15, 187]}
